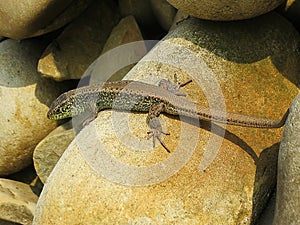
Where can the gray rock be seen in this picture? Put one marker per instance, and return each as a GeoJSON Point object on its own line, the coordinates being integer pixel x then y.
{"type": "Point", "coordinates": [164, 13]}
{"type": "Point", "coordinates": [267, 215]}
{"type": "Point", "coordinates": [288, 181]}
{"type": "Point", "coordinates": [51, 148]}
{"type": "Point", "coordinates": [80, 43]}
{"type": "Point", "coordinates": [112, 170]}
{"type": "Point", "coordinates": [225, 10]}
{"type": "Point", "coordinates": [19, 20]}
{"type": "Point", "coordinates": [126, 31]}
{"type": "Point", "coordinates": [291, 10]}
{"type": "Point", "coordinates": [141, 10]}
{"type": "Point", "coordinates": [24, 100]}
{"type": "Point", "coordinates": [17, 202]}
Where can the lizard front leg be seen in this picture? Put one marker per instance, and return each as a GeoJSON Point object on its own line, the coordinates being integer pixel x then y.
{"type": "Point", "coordinates": [154, 124]}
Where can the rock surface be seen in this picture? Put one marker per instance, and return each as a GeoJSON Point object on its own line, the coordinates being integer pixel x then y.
{"type": "Point", "coordinates": [17, 202]}
{"type": "Point", "coordinates": [19, 20]}
{"type": "Point", "coordinates": [288, 181]}
{"type": "Point", "coordinates": [225, 10]}
{"type": "Point", "coordinates": [50, 149]}
{"type": "Point", "coordinates": [24, 100]}
{"type": "Point", "coordinates": [109, 173]}
{"type": "Point", "coordinates": [80, 43]}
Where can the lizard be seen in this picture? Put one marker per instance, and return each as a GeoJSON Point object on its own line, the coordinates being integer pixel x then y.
{"type": "Point", "coordinates": [129, 95]}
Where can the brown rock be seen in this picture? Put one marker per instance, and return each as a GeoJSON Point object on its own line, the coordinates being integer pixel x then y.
{"type": "Point", "coordinates": [17, 202]}
{"type": "Point", "coordinates": [225, 10]}
{"type": "Point", "coordinates": [109, 174]}
{"type": "Point", "coordinates": [24, 100]}
{"type": "Point", "coordinates": [32, 18]}
{"type": "Point", "coordinates": [79, 44]}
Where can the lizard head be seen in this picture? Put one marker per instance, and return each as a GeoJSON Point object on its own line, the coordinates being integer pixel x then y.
{"type": "Point", "coordinates": [64, 107]}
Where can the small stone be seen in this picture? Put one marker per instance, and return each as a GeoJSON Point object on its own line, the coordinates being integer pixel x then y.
{"type": "Point", "coordinates": [24, 100]}
{"type": "Point", "coordinates": [291, 10]}
{"type": "Point", "coordinates": [288, 180]}
{"type": "Point", "coordinates": [126, 31]}
{"type": "Point", "coordinates": [164, 13]}
{"type": "Point", "coordinates": [79, 44]}
{"type": "Point", "coordinates": [50, 149]}
{"type": "Point", "coordinates": [141, 10]}
{"type": "Point", "coordinates": [267, 215]}
{"type": "Point", "coordinates": [225, 10]}
{"type": "Point", "coordinates": [19, 20]}
{"type": "Point", "coordinates": [17, 202]}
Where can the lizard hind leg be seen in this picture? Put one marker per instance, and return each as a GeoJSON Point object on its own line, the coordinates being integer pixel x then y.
{"type": "Point", "coordinates": [155, 125]}
{"type": "Point", "coordinates": [156, 131]}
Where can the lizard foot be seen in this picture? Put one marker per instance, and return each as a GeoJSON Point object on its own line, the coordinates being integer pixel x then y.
{"type": "Point", "coordinates": [156, 131]}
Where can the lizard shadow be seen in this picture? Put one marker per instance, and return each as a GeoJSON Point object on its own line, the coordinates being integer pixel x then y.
{"type": "Point", "coordinates": [221, 132]}
{"type": "Point", "coordinates": [266, 164]}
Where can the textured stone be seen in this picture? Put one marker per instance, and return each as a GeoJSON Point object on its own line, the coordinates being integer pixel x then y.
{"type": "Point", "coordinates": [17, 202]}
{"type": "Point", "coordinates": [24, 100]}
{"type": "Point", "coordinates": [80, 43]}
{"type": "Point", "coordinates": [50, 149]}
{"type": "Point", "coordinates": [225, 10]}
{"type": "Point", "coordinates": [110, 172]}
{"type": "Point", "coordinates": [288, 180]}
{"type": "Point", "coordinates": [29, 18]}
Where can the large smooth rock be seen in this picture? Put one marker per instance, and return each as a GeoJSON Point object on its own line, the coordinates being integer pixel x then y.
{"type": "Point", "coordinates": [19, 20]}
{"type": "Point", "coordinates": [17, 202]}
{"type": "Point", "coordinates": [288, 180]}
{"type": "Point", "coordinates": [24, 101]}
{"type": "Point", "coordinates": [80, 43]}
{"type": "Point", "coordinates": [110, 174]}
{"type": "Point", "coordinates": [225, 10]}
